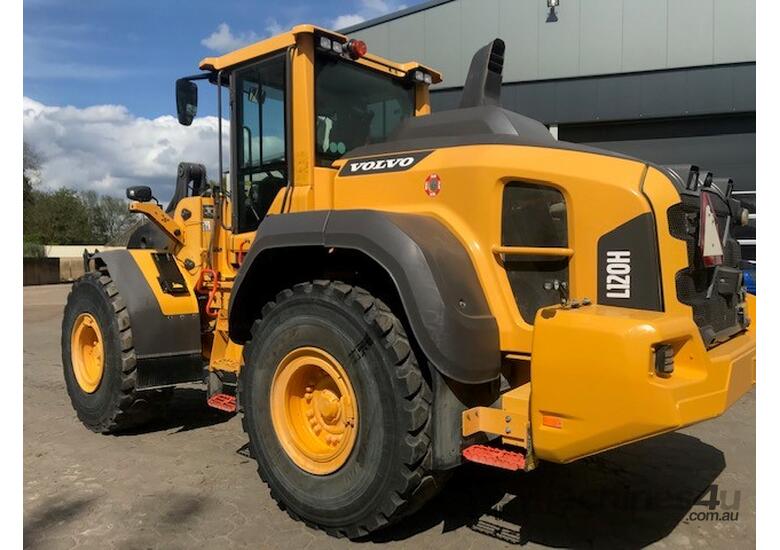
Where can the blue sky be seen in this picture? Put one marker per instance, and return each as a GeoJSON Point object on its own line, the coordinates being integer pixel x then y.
{"type": "Point", "coordinates": [99, 80]}
{"type": "Point", "coordinates": [88, 52]}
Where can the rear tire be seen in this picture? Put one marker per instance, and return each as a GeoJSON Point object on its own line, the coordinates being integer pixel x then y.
{"type": "Point", "coordinates": [386, 474]}
{"type": "Point", "coordinates": [113, 404]}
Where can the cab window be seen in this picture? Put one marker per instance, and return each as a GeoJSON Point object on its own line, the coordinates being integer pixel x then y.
{"type": "Point", "coordinates": [355, 106]}
{"type": "Point", "coordinates": [261, 159]}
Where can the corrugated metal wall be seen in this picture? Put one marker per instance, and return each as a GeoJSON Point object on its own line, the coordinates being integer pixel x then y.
{"type": "Point", "coordinates": [670, 81]}
{"type": "Point", "coordinates": [724, 145]}
{"type": "Point", "coordinates": [689, 92]}
{"type": "Point", "coordinates": [591, 37]}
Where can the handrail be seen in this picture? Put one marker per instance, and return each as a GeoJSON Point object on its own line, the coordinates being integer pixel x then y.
{"type": "Point", "coordinates": [560, 252]}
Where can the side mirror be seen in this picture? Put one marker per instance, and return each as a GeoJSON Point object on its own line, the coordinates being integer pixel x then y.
{"type": "Point", "coordinates": [140, 193]}
{"type": "Point", "coordinates": [186, 100]}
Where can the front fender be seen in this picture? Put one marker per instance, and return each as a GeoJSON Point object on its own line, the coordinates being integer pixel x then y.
{"type": "Point", "coordinates": [163, 325]}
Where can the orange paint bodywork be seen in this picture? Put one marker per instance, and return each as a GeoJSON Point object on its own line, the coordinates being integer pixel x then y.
{"type": "Point", "coordinates": [592, 383]}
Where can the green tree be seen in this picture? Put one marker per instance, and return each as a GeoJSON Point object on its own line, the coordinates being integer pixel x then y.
{"type": "Point", "coordinates": [31, 164]}
{"type": "Point", "coordinates": [31, 167]}
{"type": "Point", "coordinates": [108, 216]}
{"type": "Point", "coordinates": [66, 216]}
{"type": "Point", "coordinates": [59, 217]}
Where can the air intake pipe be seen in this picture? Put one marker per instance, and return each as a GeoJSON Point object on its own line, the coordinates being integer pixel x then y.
{"type": "Point", "coordinates": [483, 83]}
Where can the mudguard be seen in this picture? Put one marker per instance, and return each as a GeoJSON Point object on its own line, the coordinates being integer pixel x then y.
{"type": "Point", "coordinates": [166, 328]}
{"type": "Point", "coordinates": [431, 269]}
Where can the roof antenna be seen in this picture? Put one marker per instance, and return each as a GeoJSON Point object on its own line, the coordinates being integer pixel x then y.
{"type": "Point", "coordinates": [483, 83]}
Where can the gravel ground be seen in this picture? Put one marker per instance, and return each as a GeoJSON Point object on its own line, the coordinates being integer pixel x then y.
{"type": "Point", "coordinates": [184, 481]}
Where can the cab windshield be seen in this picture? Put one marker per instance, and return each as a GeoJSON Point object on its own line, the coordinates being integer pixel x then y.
{"type": "Point", "coordinates": [355, 106]}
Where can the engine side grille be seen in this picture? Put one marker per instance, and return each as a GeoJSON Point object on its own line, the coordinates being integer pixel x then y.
{"type": "Point", "coordinates": [534, 215]}
{"type": "Point", "coordinates": [718, 314]}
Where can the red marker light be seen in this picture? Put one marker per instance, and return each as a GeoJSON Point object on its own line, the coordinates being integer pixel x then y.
{"type": "Point", "coordinates": [356, 48]}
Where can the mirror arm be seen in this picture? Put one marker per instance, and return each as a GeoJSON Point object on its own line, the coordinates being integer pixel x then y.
{"type": "Point", "coordinates": [201, 76]}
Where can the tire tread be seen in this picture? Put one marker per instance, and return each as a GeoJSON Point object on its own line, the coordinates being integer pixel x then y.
{"type": "Point", "coordinates": [124, 414]}
{"type": "Point", "coordinates": [405, 496]}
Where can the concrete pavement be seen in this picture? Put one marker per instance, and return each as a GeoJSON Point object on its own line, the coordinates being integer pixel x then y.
{"type": "Point", "coordinates": [184, 481]}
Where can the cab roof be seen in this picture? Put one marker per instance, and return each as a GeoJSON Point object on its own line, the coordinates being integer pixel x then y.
{"type": "Point", "coordinates": [287, 39]}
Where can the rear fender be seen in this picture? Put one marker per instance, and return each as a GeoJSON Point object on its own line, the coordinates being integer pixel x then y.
{"type": "Point", "coordinates": [430, 268]}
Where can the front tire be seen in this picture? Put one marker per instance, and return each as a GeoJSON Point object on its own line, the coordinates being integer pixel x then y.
{"type": "Point", "coordinates": [344, 330]}
{"type": "Point", "coordinates": [98, 357]}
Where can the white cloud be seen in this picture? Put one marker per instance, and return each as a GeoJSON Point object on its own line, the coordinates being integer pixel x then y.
{"type": "Point", "coordinates": [223, 40]}
{"type": "Point", "coordinates": [272, 27]}
{"type": "Point", "coordinates": [367, 9]}
{"type": "Point", "coordinates": [105, 148]}
{"type": "Point", "coordinates": [379, 5]}
{"type": "Point", "coordinates": [347, 20]}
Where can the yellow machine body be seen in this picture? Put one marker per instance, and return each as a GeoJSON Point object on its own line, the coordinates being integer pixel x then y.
{"type": "Point", "coordinates": [584, 379]}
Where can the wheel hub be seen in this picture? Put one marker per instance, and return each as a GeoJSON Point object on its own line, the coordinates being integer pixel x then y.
{"type": "Point", "coordinates": [314, 410]}
{"type": "Point", "coordinates": [87, 353]}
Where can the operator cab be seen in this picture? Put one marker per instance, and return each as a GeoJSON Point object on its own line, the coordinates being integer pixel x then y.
{"type": "Point", "coordinates": [299, 102]}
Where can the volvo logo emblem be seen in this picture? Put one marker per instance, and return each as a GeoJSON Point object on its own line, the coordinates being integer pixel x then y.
{"type": "Point", "coordinates": [382, 165]}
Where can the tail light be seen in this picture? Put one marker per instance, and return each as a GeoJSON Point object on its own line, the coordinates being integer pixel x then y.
{"type": "Point", "coordinates": [664, 360]}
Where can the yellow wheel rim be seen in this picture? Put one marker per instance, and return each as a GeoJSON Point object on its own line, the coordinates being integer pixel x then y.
{"type": "Point", "coordinates": [314, 410]}
{"type": "Point", "coordinates": [86, 349]}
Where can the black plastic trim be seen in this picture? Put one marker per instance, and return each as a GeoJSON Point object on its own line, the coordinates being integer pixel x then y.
{"type": "Point", "coordinates": [482, 125]}
{"type": "Point", "coordinates": [636, 239]}
{"type": "Point", "coordinates": [448, 314]}
{"type": "Point", "coordinates": [159, 372]}
{"type": "Point", "coordinates": [154, 334]}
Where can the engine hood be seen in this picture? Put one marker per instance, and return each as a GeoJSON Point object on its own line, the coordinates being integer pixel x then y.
{"type": "Point", "coordinates": [481, 125]}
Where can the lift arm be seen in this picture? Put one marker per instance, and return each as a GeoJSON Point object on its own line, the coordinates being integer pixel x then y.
{"type": "Point", "coordinates": [160, 219]}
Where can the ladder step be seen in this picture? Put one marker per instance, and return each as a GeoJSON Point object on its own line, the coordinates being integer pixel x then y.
{"type": "Point", "coordinates": [493, 456]}
{"type": "Point", "coordinates": [223, 402]}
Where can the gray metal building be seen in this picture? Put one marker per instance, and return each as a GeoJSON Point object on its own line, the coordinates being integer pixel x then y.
{"type": "Point", "coordinates": [671, 81]}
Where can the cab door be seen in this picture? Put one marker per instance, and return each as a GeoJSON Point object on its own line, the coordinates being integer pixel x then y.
{"type": "Point", "coordinates": [259, 160]}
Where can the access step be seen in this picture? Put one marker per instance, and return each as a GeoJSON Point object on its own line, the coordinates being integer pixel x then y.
{"type": "Point", "coordinates": [223, 402]}
{"type": "Point", "coordinates": [493, 456]}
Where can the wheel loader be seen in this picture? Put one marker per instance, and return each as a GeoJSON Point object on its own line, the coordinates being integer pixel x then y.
{"type": "Point", "coordinates": [384, 293]}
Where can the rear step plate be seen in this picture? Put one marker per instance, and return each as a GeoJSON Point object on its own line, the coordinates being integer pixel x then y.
{"type": "Point", "coordinates": [492, 456]}
{"type": "Point", "coordinates": [223, 402]}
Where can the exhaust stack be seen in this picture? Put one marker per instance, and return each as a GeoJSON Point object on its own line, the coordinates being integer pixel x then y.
{"type": "Point", "coordinates": [483, 83]}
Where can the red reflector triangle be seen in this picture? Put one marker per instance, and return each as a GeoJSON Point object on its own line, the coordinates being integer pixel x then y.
{"type": "Point", "coordinates": [710, 244]}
